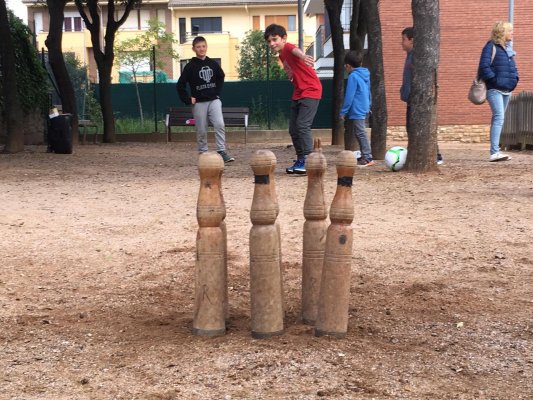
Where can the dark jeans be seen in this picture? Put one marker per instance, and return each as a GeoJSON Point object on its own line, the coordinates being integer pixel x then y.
{"type": "Point", "coordinates": [302, 114]}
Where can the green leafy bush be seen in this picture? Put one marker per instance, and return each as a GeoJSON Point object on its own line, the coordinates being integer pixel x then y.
{"type": "Point", "coordinates": [32, 82]}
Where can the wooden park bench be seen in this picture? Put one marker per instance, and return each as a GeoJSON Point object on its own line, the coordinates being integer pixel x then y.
{"type": "Point", "coordinates": [83, 124]}
{"type": "Point", "coordinates": [182, 116]}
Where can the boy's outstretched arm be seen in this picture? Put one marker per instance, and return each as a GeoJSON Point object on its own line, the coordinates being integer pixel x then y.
{"type": "Point", "coordinates": [308, 60]}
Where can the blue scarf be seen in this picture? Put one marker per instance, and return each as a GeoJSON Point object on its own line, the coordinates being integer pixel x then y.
{"type": "Point", "coordinates": [509, 49]}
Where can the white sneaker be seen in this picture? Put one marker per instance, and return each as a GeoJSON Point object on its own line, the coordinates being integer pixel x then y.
{"type": "Point", "coordinates": [499, 157]}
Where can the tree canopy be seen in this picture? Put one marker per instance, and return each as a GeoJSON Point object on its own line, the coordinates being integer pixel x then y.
{"type": "Point", "coordinates": [136, 53]}
{"type": "Point", "coordinates": [253, 60]}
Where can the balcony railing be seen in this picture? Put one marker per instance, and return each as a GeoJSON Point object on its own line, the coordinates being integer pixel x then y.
{"type": "Point", "coordinates": [189, 36]}
{"type": "Point", "coordinates": [316, 49]}
{"type": "Point", "coordinates": [322, 35]}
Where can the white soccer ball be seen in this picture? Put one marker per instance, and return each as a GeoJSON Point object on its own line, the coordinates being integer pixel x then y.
{"type": "Point", "coordinates": [395, 158]}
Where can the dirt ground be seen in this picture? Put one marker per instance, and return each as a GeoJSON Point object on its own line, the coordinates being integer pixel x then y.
{"type": "Point", "coordinates": [97, 280]}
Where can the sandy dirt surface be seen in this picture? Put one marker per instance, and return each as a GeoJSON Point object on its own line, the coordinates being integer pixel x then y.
{"type": "Point", "coordinates": [97, 280]}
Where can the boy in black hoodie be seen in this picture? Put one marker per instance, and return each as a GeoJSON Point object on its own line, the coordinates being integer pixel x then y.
{"type": "Point", "coordinates": [205, 78]}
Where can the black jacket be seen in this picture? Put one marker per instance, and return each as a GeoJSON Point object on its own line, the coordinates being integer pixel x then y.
{"type": "Point", "coordinates": [205, 79]}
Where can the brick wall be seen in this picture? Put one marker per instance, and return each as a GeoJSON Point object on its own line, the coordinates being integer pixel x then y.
{"type": "Point", "coordinates": [465, 28]}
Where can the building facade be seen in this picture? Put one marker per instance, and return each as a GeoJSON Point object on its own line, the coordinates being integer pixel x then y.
{"type": "Point", "coordinates": [224, 23]}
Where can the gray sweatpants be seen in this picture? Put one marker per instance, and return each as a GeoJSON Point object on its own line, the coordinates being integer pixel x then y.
{"type": "Point", "coordinates": [302, 114]}
{"type": "Point", "coordinates": [203, 113]}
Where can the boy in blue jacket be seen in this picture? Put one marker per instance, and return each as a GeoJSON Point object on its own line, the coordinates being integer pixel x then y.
{"type": "Point", "coordinates": [357, 102]}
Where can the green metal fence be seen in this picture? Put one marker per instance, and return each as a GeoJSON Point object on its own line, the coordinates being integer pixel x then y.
{"type": "Point", "coordinates": [268, 101]}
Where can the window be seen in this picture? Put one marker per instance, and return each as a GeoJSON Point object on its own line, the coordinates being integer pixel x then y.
{"type": "Point", "coordinates": [346, 16]}
{"type": "Point", "coordinates": [137, 20]}
{"type": "Point", "coordinates": [291, 23]}
{"type": "Point", "coordinates": [183, 30]}
{"type": "Point", "coordinates": [72, 22]}
{"type": "Point", "coordinates": [288, 21]}
{"type": "Point", "coordinates": [161, 15]}
{"type": "Point", "coordinates": [206, 25]}
{"type": "Point", "coordinates": [38, 22]}
{"type": "Point", "coordinates": [255, 23]}
{"type": "Point", "coordinates": [144, 17]}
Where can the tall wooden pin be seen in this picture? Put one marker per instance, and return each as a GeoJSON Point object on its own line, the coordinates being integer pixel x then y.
{"type": "Point", "coordinates": [210, 301]}
{"type": "Point", "coordinates": [333, 304]}
{"type": "Point", "coordinates": [265, 273]}
{"type": "Point", "coordinates": [273, 194]}
{"type": "Point", "coordinates": [314, 234]}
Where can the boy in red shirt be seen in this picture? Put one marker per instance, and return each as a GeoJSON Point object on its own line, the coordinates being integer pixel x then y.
{"type": "Point", "coordinates": [305, 98]}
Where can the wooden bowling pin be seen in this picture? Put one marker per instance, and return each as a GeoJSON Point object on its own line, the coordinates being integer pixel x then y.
{"type": "Point", "coordinates": [273, 193]}
{"type": "Point", "coordinates": [333, 304]}
{"type": "Point", "coordinates": [265, 274]}
{"type": "Point", "coordinates": [210, 302]}
{"type": "Point", "coordinates": [314, 234]}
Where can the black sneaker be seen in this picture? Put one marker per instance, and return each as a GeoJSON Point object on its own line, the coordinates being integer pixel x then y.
{"type": "Point", "coordinates": [226, 157]}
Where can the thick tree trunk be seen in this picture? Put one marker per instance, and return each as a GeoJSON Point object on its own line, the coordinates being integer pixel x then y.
{"type": "Point", "coordinates": [104, 59]}
{"type": "Point", "coordinates": [106, 104]}
{"type": "Point", "coordinates": [377, 79]}
{"type": "Point", "coordinates": [350, 142]}
{"type": "Point", "coordinates": [333, 8]}
{"type": "Point", "coordinates": [422, 135]}
{"type": "Point", "coordinates": [12, 110]}
{"type": "Point", "coordinates": [355, 39]}
{"type": "Point", "coordinates": [57, 63]}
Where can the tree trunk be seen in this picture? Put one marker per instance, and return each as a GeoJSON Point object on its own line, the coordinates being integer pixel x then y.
{"type": "Point", "coordinates": [139, 103]}
{"type": "Point", "coordinates": [57, 63]}
{"type": "Point", "coordinates": [422, 147]}
{"type": "Point", "coordinates": [355, 39]}
{"type": "Point", "coordinates": [333, 8]}
{"type": "Point", "coordinates": [12, 110]}
{"type": "Point", "coordinates": [377, 81]}
{"type": "Point", "coordinates": [106, 104]}
{"type": "Point", "coordinates": [104, 59]}
{"type": "Point", "coordinates": [350, 142]}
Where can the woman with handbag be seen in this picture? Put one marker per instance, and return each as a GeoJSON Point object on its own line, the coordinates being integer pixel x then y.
{"type": "Point", "coordinates": [501, 77]}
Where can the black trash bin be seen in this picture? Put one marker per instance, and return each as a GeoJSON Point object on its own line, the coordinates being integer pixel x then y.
{"type": "Point", "coordinates": [60, 134]}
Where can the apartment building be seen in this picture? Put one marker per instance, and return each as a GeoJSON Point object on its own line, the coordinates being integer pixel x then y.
{"type": "Point", "coordinates": [224, 23]}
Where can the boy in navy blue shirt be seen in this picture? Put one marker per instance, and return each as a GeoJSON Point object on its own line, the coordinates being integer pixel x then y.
{"type": "Point", "coordinates": [357, 102]}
